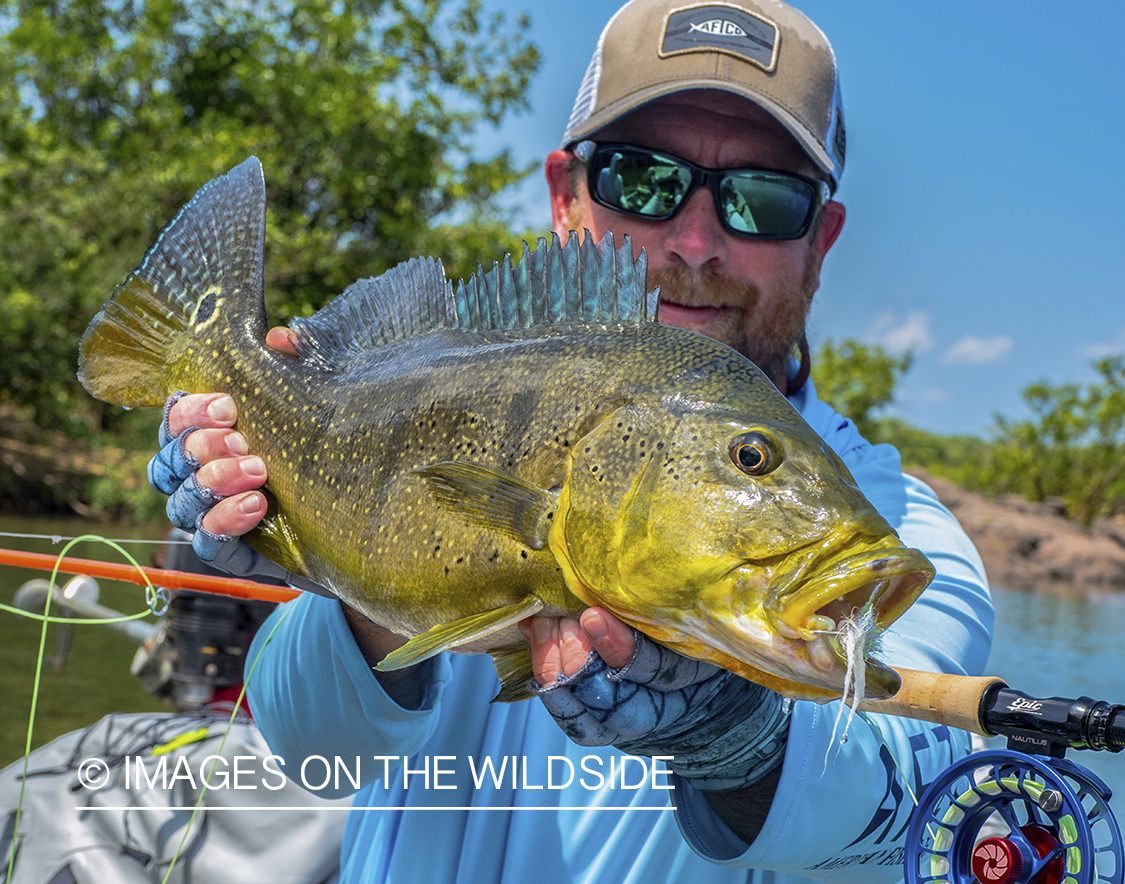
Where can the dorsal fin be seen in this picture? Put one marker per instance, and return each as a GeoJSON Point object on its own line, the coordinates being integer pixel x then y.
{"type": "Point", "coordinates": [553, 285]}
{"type": "Point", "coordinates": [409, 299]}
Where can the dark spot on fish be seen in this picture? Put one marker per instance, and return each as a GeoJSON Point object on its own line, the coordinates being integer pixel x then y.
{"type": "Point", "coordinates": [206, 308]}
{"type": "Point", "coordinates": [625, 438]}
{"type": "Point", "coordinates": [461, 560]}
{"type": "Point", "coordinates": [523, 553]}
{"type": "Point", "coordinates": [659, 446]}
{"type": "Point", "coordinates": [495, 555]}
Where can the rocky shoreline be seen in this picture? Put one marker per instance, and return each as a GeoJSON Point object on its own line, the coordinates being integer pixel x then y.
{"type": "Point", "coordinates": [1033, 546]}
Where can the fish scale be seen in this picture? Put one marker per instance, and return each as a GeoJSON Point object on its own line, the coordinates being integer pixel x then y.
{"type": "Point", "coordinates": [452, 459]}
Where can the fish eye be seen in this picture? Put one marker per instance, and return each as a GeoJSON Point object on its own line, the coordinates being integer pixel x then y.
{"type": "Point", "coordinates": [756, 453]}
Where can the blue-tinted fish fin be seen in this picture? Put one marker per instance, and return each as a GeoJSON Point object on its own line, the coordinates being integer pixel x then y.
{"type": "Point", "coordinates": [553, 285]}
{"type": "Point", "coordinates": [409, 299]}
{"type": "Point", "coordinates": [202, 278]}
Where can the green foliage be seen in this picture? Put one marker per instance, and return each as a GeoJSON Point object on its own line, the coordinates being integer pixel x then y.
{"type": "Point", "coordinates": [858, 380]}
{"type": "Point", "coordinates": [957, 458]}
{"type": "Point", "coordinates": [1072, 446]}
{"type": "Point", "coordinates": [113, 113]}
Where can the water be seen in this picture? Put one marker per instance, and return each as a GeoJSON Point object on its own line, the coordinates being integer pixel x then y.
{"type": "Point", "coordinates": [1044, 646]}
{"type": "Point", "coordinates": [1051, 646]}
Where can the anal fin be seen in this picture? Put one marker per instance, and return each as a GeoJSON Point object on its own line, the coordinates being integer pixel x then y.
{"type": "Point", "coordinates": [446, 636]}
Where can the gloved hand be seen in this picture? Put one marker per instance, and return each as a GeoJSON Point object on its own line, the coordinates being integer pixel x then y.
{"type": "Point", "coordinates": [175, 471]}
{"type": "Point", "coordinates": [723, 731]}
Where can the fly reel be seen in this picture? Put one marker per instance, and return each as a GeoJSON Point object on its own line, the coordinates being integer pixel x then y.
{"type": "Point", "coordinates": [1022, 815]}
{"type": "Point", "coordinates": [1003, 817]}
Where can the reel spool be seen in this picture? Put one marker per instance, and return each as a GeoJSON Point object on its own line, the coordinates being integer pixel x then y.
{"type": "Point", "coordinates": [1004, 817]}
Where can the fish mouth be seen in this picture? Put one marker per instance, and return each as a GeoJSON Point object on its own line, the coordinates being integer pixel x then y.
{"type": "Point", "coordinates": [877, 585]}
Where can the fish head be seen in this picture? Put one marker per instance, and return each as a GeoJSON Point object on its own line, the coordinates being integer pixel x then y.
{"type": "Point", "coordinates": [737, 539]}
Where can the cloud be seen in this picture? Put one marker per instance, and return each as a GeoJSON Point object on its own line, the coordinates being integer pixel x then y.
{"type": "Point", "coordinates": [1109, 348]}
{"type": "Point", "coordinates": [932, 396]}
{"type": "Point", "coordinates": [971, 350]}
{"type": "Point", "coordinates": [897, 334]}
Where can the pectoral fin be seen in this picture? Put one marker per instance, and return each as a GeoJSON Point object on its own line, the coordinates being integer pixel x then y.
{"type": "Point", "coordinates": [493, 499]}
{"type": "Point", "coordinates": [447, 636]}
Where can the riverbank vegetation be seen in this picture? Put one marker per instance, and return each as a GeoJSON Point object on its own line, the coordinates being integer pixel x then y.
{"type": "Point", "coordinates": [364, 116]}
{"type": "Point", "coordinates": [1070, 447]}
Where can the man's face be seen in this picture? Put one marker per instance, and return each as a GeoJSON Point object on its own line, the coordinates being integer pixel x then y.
{"type": "Point", "coordinates": [753, 295]}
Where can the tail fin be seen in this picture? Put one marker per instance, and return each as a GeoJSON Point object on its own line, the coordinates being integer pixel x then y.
{"type": "Point", "coordinates": [201, 277]}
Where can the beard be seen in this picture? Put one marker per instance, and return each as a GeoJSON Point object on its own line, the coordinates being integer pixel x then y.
{"type": "Point", "coordinates": [764, 329]}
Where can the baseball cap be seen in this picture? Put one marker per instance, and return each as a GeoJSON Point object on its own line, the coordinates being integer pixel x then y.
{"type": "Point", "coordinates": [763, 50]}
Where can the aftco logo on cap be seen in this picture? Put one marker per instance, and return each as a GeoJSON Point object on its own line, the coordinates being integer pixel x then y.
{"type": "Point", "coordinates": [721, 28]}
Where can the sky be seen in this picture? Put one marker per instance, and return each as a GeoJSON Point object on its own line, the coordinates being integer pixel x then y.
{"type": "Point", "coordinates": [984, 229]}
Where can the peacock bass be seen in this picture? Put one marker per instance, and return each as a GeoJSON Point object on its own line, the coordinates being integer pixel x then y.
{"type": "Point", "coordinates": [451, 460]}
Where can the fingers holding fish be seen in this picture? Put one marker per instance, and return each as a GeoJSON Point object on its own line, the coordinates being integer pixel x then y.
{"type": "Point", "coordinates": [233, 504]}
{"type": "Point", "coordinates": [205, 410]}
{"type": "Point", "coordinates": [560, 646]}
{"type": "Point", "coordinates": [613, 640]}
{"type": "Point", "coordinates": [283, 340]}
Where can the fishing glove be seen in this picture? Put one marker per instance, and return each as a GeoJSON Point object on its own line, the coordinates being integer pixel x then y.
{"type": "Point", "coordinates": [722, 731]}
{"type": "Point", "coordinates": [174, 472]}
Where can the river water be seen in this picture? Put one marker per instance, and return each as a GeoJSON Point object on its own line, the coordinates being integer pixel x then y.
{"type": "Point", "coordinates": [1044, 646]}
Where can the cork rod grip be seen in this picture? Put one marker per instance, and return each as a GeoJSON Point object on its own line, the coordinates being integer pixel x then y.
{"type": "Point", "coordinates": [954, 700]}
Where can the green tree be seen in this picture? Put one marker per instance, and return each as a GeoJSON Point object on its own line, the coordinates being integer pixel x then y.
{"type": "Point", "coordinates": [1072, 446]}
{"type": "Point", "coordinates": [113, 113]}
{"type": "Point", "coordinates": [858, 380]}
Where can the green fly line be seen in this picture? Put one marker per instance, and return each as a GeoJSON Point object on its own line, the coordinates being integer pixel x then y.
{"type": "Point", "coordinates": [157, 604]}
{"type": "Point", "coordinates": [222, 742]}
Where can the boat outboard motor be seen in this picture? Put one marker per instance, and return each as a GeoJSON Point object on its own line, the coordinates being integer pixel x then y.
{"type": "Point", "coordinates": [198, 653]}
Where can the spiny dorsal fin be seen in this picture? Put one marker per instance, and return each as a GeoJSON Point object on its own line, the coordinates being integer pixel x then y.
{"type": "Point", "coordinates": [553, 285]}
{"type": "Point", "coordinates": [591, 282]}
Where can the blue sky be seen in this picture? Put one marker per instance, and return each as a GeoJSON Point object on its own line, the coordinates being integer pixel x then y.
{"type": "Point", "coordinates": [985, 145]}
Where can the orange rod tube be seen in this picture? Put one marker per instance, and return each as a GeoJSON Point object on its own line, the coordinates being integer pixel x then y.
{"type": "Point", "coordinates": [231, 586]}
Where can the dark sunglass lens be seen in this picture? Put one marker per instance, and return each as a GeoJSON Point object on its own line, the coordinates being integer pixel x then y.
{"type": "Point", "coordinates": [765, 204]}
{"type": "Point", "coordinates": [640, 182]}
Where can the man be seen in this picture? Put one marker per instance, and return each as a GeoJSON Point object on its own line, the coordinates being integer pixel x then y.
{"type": "Point", "coordinates": [675, 91]}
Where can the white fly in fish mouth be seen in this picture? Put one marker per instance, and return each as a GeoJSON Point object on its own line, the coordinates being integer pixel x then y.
{"type": "Point", "coordinates": [855, 638]}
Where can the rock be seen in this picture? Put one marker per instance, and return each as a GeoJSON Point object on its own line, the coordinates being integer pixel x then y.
{"type": "Point", "coordinates": [1028, 545]}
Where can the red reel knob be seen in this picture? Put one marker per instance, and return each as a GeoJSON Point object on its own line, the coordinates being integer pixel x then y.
{"type": "Point", "coordinates": [997, 861]}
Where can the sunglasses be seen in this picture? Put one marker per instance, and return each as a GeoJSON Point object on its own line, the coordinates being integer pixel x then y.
{"type": "Point", "coordinates": [652, 184]}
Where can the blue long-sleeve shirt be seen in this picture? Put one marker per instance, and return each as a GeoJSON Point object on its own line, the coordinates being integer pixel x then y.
{"type": "Point", "coordinates": [495, 792]}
